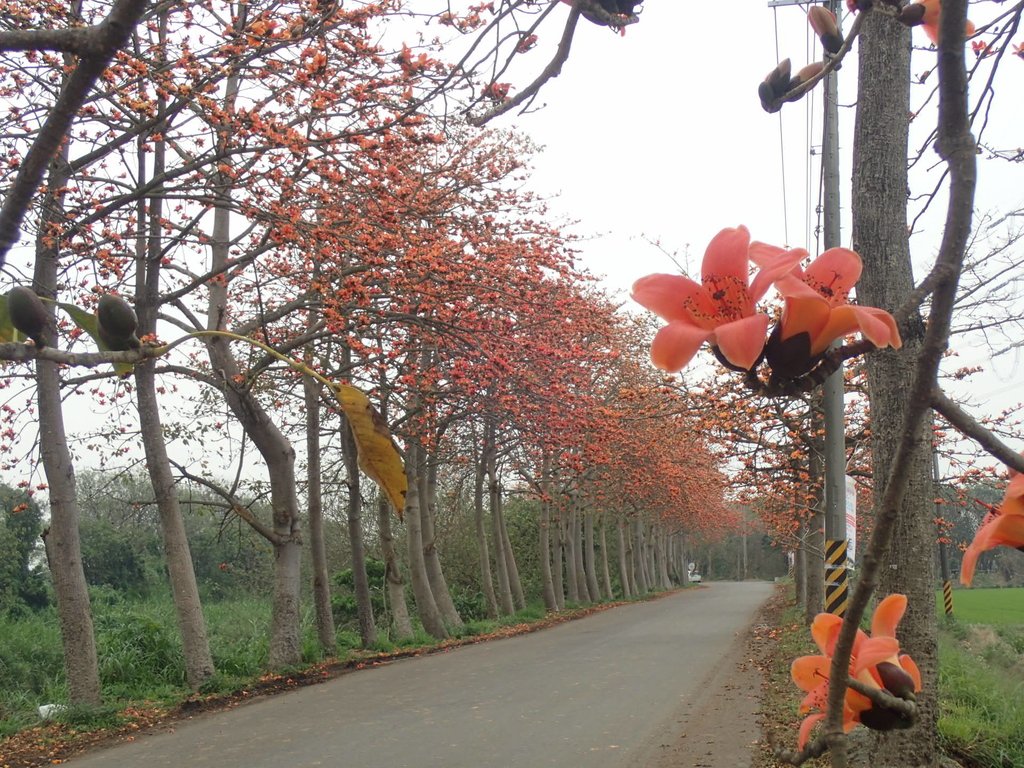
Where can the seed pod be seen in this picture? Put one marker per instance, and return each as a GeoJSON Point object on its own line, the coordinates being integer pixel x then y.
{"type": "Point", "coordinates": [913, 14]}
{"type": "Point", "coordinates": [117, 324]}
{"type": "Point", "coordinates": [778, 78]}
{"type": "Point", "coordinates": [896, 681]}
{"type": "Point", "coordinates": [823, 22]}
{"type": "Point", "coordinates": [878, 719]}
{"type": "Point", "coordinates": [28, 315]}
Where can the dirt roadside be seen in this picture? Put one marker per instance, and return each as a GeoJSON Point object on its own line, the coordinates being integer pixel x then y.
{"type": "Point", "coordinates": [724, 727]}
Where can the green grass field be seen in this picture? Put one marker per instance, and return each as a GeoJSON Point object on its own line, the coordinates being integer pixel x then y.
{"type": "Point", "coordinates": [998, 607]}
{"type": "Point", "coordinates": [981, 678]}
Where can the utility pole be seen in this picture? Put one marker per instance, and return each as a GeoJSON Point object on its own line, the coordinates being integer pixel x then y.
{"type": "Point", "coordinates": [947, 580]}
{"type": "Point", "coordinates": [836, 574]}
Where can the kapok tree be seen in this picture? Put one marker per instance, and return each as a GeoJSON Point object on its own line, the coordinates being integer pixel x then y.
{"type": "Point", "coordinates": [722, 312]}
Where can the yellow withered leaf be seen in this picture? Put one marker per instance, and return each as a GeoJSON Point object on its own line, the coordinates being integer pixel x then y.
{"type": "Point", "coordinates": [378, 456]}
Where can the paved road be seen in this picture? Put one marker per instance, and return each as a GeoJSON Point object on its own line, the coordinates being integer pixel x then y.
{"type": "Point", "coordinates": [606, 691]}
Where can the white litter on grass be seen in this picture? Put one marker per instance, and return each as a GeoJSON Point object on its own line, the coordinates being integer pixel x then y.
{"type": "Point", "coordinates": [50, 711]}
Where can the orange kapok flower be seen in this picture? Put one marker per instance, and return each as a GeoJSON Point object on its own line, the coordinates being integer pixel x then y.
{"type": "Point", "coordinates": [930, 20]}
{"type": "Point", "coordinates": [818, 312]}
{"type": "Point", "coordinates": [1003, 526]}
{"type": "Point", "coordinates": [720, 309]}
{"type": "Point", "coordinates": [875, 661]}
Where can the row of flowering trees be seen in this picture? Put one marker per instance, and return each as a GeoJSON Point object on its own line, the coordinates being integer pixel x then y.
{"type": "Point", "coordinates": [262, 185]}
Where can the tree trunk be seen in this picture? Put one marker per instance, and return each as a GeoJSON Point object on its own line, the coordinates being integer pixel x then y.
{"type": "Point", "coordinates": [314, 508]}
{"type": "Point", "coordinates": [880, 236]}
{"type": "Point", "coordinates": [558, 562]}
{"type": "Point", "coordinates": [515, 583]}
{"type": "Point", "coordinates": [354, 508]}
{"type": "Point", "coordinates": [800, 569]}
{"type": "Point", "coordinates": [428, 509]}
{"type": "Point", "coordinates": [279, 455]}
{"type": "Point", "coordinates": [497, 531]}
{"type": "Point", "coordinates": [624, 570]}
{"type": "Point", "coordinates": [576, 532]}
{"type": "Point", "coordinates": [483, 552]}
{"type": "Point", "coordinates": [572, 581]}
{"type": "Point", "coordinates": [275, 448]}
{"type": "Point", "coordinates": [177, 554]}
{"type": "Point", "coordinates": [426, 606]}
{"type": "Point", "coordinates": [640, 559]}
{"type": "Point", "coordinates": [666, 582]}
{"type": "Point", "coordinates": [605, 574]}
{"type": "Point", "coordinates": [61, 537]}
{"type": "Point", "coordinates": [590, 564]}
{"type": "Point", "coordinates": [544, 545]}
{"type": "Point", "coordinates": [392, 572]}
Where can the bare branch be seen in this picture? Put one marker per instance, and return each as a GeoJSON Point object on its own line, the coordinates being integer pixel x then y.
{"type": "Point", "coordinates": [552, 70]}
{"type": "Point", "coordinates": [971, 427]}
{"type": "Point", "coordinates": [234, 505]}
{"type": "Point", "coordinates": [103, 41]}
{"type": "Point", "coordinates": [15, 352]}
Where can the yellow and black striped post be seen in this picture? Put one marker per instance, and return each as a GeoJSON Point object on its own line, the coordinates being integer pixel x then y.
{"type": "Point", "coordinates": [947, 596]}
{"type": "Point", "coordinates": [837, 591]}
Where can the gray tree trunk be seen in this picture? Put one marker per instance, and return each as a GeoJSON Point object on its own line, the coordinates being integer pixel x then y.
{"type": "Point", "coordinates": [184, 589]}
{"type": "Point", "coordinates": [605, 574]}
{"type": "Point", "coordinates": [61, 537]}
{"type": "Point", "coordinates": [276, 450]}
{"type": "Point", "coordinates": [401, 624]}
{"type": "Point", "coordinates": [800, 569]}
{"type": "Point", "coordinates": [278, 453]}
{"type": "Point", "coordinates": [431, 557]}
{"type": "Point", "coordinates": [497, 530]}
{"type": "Point", "coordinates": [590, 556]}
{"type": "Point", "coordinates": [880, 236]}
{"type": "Point", "coordinates": [640, 559]}
{"type": "Point", "coordinates": [666, 582]}
{"type": "Point", "coordinates": [558, 562]}
{"type": "Point", "coordinates": [624, 569]}
{"type": "Point", "coordinates": [576, 532]}
{"type": "Point", "coordinates": [354, 509]}
{"type": "Point", "coordinates": [572, 582]}
{"type": "Point", "coordinates": [314, 508]}
{"type": "Point", "coordinates": [426, 606]}
{"type": "Point", "coordinates": [544, 545]}
{"type": "Point", "coordinates": [483, 551]}
{"type": "Point", "coordinates": [177, 553]}
{"type": "Point", "coordinates": [514, 582]}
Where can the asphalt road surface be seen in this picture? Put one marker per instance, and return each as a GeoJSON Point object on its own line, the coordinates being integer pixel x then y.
{"type": "Point", "coordinates": [614, 690]}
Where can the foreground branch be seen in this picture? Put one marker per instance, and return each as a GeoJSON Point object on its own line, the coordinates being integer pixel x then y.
{"type": "Point", "coordinates": [99, 44]}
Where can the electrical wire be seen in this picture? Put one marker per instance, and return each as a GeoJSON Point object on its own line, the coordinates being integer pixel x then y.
{"type": "Point", "coordinates": [782, 143]}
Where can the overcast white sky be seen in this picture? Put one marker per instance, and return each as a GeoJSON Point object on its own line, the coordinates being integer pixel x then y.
{"type": "Point", "coordinates": [660, 135]}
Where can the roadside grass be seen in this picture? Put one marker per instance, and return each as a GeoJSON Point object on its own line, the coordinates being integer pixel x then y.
{"type": "Point", "coordinates": [981, 679]}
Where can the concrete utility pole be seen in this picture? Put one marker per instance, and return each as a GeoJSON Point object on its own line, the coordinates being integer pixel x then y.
{"type": "Point", "coordinates": [836, 574]}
